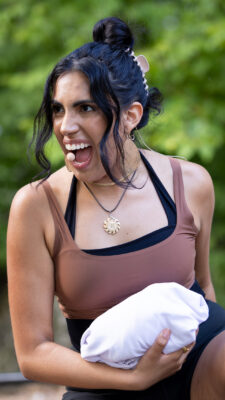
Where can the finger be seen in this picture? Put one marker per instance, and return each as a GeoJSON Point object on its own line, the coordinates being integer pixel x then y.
{"type": "Point", "coordinates": [160, 342]}
{"type": "Point", "coordinates": [189, 347]}
{"type": "Point", "coordinates": [187, 351]}
{"type": "Point", "coordinates": [183, 351]}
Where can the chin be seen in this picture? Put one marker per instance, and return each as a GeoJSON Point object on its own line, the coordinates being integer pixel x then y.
{"type": "Point", "coordinates": [89, 176]}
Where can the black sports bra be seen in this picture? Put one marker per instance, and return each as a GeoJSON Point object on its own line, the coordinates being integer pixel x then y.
{"type": "Point", "coordinates": [137, 244]}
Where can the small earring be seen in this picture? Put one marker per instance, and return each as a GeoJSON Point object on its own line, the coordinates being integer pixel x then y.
{"type": "Point", "coordinates": [131, 136]}
{"type": "Point", "coordinates": [140, 139]}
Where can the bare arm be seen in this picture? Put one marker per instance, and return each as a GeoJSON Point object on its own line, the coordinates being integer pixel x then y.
{"type": "Point", "coordinates": [200, 196]}
{"type": "Point", "coordinates": [31, 292]}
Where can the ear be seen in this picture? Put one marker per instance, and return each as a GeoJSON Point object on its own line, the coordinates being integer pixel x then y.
{"type": "Point", "coordinates": [132, 116]}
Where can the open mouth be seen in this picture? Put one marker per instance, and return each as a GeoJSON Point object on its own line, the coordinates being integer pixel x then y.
{"type": "Point", "coordinates": [79, 153]}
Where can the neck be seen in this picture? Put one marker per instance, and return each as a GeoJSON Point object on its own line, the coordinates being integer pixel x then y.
{"type": "Point", "coordinates": [131, 163]}
{"type": "Point", "coordinates": [108, 182]}
{"type": "Point", "coordinates": [110, 189]}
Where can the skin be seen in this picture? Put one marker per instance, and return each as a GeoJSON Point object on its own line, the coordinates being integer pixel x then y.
{"type": "Point", "coordinates": [30, 248]}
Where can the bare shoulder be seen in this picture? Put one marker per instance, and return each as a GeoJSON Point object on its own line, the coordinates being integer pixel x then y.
{"type": "Point", "coordinates": [198, 191]}
{"type": "Point", "coordinates": [197, 181]}
{"type": "Point", "coordinates": [31, 198]}
{"type": "Point", "coordinates": [198, 185]}
{"type": "Point", "coordinates": [196, 178]}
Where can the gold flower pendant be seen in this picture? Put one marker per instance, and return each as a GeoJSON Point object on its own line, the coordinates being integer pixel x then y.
{"type": "Point", "coordinates": [111, 225]}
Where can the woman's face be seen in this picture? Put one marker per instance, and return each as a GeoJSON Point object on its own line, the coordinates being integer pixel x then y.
{"type": "Point", "coordinates": [79, 125]}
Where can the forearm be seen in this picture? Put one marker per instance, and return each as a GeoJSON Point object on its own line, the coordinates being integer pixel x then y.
{"type": "Point", "coordinates": [54, 363]}
{"type": "Point", "coordinates": [209, 292]}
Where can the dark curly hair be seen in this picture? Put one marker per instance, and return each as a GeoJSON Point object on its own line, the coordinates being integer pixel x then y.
{"type": "Point", "coordinates": [116, 82]}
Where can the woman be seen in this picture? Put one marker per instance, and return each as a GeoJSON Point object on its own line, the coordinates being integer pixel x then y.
{"type": "Point", "coordinates": [117, 220]}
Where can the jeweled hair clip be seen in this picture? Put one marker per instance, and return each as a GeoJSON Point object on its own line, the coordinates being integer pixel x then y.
{"type": "Point", "coordinates": [143, 64]}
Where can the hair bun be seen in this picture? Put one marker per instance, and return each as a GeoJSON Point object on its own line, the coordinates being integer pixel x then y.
{"type": "Point", "coordinates": [113, 31]}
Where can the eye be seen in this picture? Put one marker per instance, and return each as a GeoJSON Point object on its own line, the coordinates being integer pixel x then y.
{"type": "Point", "coordinates": [57, 108]}
{"type": "Point", "coordinates": [87, 108]}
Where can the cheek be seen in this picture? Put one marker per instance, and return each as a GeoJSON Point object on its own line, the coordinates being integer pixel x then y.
{"type": "Point", "coordinates": [56, 129]}
{"type": "Point", "coordinates": [58, 137]}
{"type": "Point", "coordinates": [97, 126]}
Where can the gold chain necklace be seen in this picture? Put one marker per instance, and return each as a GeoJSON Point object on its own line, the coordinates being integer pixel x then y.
{"type": "Point", "coordinates": [111, 225]}
{"type": "Point", "coordinates": [114, 183]}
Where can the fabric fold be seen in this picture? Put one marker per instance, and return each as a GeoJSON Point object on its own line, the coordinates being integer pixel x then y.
{"type": "Point", "coordinates": [122, 334]}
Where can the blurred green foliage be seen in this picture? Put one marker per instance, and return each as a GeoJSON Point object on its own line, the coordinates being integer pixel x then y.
{"type": "Point", "coordinates": [184, 41]}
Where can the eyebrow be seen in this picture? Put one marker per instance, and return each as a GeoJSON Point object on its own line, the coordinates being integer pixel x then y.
{"type": "Point", "coordinates": [75, 104]}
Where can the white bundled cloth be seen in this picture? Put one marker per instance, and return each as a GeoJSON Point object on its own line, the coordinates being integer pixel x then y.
{"type": "Point", "coordinates": [121, 335]}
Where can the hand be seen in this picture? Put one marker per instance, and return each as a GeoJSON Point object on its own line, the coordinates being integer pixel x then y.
{"type": "Point", "coordinates": [155, 366]}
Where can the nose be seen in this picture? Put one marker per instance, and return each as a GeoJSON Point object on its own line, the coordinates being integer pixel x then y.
{"type": "Point", "coordinates": [69, 124]}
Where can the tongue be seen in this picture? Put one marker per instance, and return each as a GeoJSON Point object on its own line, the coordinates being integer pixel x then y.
{"type": "Point", "coordinates": [83, 155]}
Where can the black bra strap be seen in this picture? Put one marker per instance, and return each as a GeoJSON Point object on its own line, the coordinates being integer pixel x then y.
{"type": "Point", "coordinates": [167, 203]}
{"type": "Point", "coordinates": [70, 214]}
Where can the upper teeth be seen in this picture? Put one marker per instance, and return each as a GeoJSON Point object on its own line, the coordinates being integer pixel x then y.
{"type": "Point", "coordinates": [76, 146]}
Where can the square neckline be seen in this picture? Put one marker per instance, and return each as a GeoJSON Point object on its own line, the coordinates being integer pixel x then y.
{"type": "Point", "coordinates": [151, 248]}
{"type": "Point", "coordinates": [146, 240]}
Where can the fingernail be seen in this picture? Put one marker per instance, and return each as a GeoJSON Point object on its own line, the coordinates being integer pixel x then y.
{"type": "Point", "coordinates": [165, 333]}
{"type": "Point", "coordinates": [164, 336]}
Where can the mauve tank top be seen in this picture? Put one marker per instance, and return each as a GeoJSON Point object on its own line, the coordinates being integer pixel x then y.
{"type": "Point", "coordinates": [141, 242]}
{"type": "Point", "coordinates": [87, 284]}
